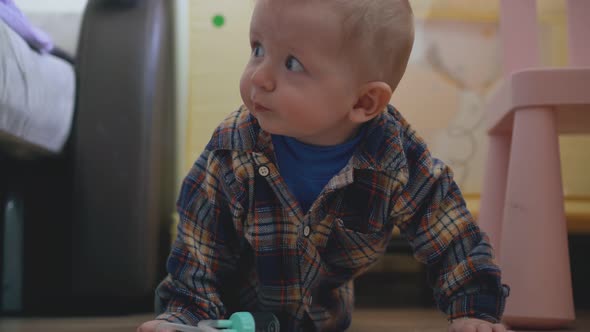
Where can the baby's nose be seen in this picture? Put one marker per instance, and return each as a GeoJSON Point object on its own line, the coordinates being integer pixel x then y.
{"type": "Point", "coordinates": [263, 77]}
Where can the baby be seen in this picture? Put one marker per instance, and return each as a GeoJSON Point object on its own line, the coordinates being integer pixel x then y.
{"type": "Point", "coordinates": [298, 191]}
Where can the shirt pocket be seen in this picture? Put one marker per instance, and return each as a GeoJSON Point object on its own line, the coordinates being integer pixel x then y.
{"type": "Point", "coordinates": [354, 249]}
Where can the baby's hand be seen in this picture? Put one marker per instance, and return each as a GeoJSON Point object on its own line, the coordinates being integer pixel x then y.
{"type": "Point", "coordinates": [475, 325]}
{"type": "Point", "coordinates": [151, 326]}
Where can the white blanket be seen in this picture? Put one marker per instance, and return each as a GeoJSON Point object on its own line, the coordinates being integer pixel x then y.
{"type": "Point", "coordinates": [36, 95]}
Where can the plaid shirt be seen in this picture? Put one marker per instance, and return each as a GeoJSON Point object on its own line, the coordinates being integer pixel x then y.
{"type": "Point", "coordinates": [244, 244]}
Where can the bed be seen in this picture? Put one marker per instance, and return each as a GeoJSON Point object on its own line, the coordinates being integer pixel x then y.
{"type": "Point", "coordinates": [37, 93]}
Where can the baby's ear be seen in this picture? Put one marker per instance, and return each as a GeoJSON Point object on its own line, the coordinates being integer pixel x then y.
{"type": "Point", "coordinates": [372, 99]}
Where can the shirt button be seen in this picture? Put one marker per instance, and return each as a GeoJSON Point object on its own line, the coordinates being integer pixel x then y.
{"type": "Point", "coordinates": [306, 231]}
{"type": "Point", "coordinates": [263, 170]}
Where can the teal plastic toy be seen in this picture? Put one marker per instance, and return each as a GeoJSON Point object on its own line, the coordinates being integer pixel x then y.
{"type": "Point", "coordinates": [238, 322]}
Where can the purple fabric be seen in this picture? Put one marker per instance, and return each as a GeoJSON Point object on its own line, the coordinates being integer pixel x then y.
{"type": "Point", "coordinates": [15, 19]}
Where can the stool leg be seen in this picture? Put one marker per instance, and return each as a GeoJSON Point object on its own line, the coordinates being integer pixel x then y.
{"type": "Point", "coordinates": [494, 190]}
{"type": "Point", "coordinates": [534, 249]}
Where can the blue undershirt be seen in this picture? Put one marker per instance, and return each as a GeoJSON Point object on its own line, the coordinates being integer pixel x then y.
{"type": "Point", "coordinates": [308, 168]}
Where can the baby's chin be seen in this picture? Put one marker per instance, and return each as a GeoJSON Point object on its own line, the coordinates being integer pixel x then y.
{"type": "Point", "coordinates": [268, 127]}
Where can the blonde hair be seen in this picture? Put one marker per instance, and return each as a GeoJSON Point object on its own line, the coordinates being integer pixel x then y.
{"type": "Point", "coordinates": [381, 33]}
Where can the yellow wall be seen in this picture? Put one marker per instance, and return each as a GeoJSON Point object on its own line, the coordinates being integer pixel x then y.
{"type": "Point", "coordinates": [217, 56]}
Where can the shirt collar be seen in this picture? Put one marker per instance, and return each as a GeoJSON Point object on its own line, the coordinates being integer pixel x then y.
{"type": "Point", "coordinates": [380, 150]}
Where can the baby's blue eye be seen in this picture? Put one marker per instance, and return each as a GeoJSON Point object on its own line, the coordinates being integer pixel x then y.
{"type": "Point", "coordinates": [293, 64]}
{"type": "Point", "coordinates": [257, 50]}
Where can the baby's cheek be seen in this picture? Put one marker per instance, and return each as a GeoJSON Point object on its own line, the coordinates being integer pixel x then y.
{"type": "Point", "coordinates": [245, 89]}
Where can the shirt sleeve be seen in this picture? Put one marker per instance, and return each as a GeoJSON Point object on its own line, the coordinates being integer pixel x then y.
{"type": "Point", "coordinates": [204, 251]}
{"type": "Point", "coordinates": [445, 237]}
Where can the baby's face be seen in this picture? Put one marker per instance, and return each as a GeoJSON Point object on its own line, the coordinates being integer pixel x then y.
{"type": "Point", "coordinates": [299, 82]}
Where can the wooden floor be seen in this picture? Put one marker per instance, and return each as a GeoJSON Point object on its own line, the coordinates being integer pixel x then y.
{"type": "Point", "coordinates": [392, 320]}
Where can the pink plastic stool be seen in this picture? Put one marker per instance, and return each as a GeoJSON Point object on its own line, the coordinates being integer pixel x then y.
{"type": "Point", "coordinates": [522, 207]}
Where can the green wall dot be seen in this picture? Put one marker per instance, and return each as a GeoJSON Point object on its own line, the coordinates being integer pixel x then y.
{"type": "Point", "coordinates": [218, 21]}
